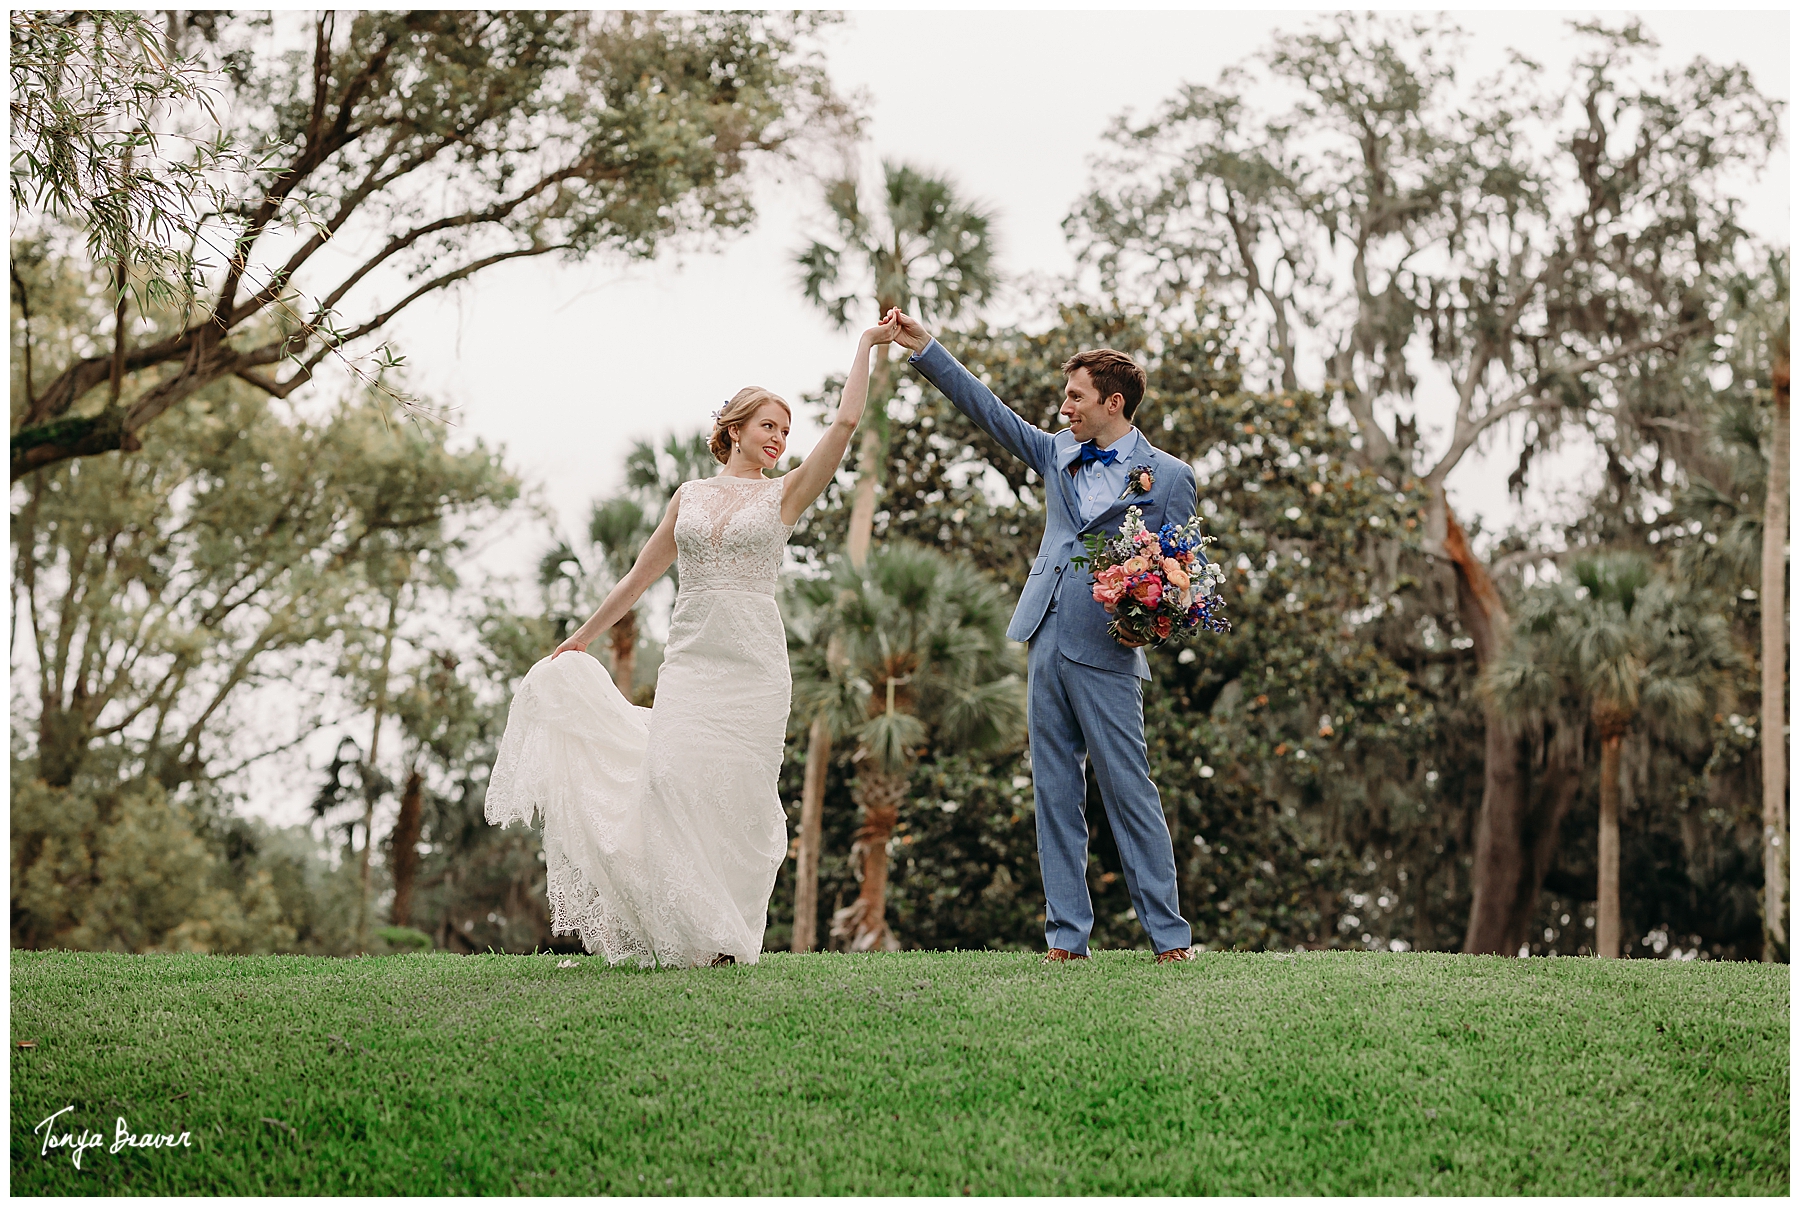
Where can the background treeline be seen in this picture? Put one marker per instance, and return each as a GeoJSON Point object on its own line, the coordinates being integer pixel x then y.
{"type": "Point", "coordinates": [1418, 735]}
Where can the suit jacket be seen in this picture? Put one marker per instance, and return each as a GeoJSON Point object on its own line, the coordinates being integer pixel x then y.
{"type": "Point", "coordinates": [1081, 633]}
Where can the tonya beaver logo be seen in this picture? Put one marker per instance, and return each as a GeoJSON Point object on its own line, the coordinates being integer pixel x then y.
{"type": "Point", "coordinates": [78, 1142]}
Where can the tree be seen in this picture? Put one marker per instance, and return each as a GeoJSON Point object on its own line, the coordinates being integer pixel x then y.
{"type": "Point", "coordinates": [90, 95]}
{"type": "Point", "coordinates": [425, 147]}
{"type": "Point", "coordinates": [926, 663]}
{"type": "Point", "coordinates": [1629, 648]}
{"type": "Point", "coordinates": [126, 867]}
{"type": "Point", "coordinates": [443, 720]}
{"type": "Point", "coordinates": [618, 526]}
{"type": "Point", "coordinates": [1321, 766]}
{"type": "Point", "coordinates": [926, 251]}
{"type": "Point", "coordinates": [245, 549]}
{"type": "Point", "coordinates": [1766, 332]}
{"type": "Point", "coordinates": [1542, 252]}
{"type": "Point", "coordinates": [652, 476]}
{"type": "Point", "coordinates": [1774, 670]}
{"type": "Point", "coordinates": [830, 705]}
{"type": "Point", "coordinates": [474, 886]}
{"type": "Point", "coordinates": [1729, 524]}
{"type": "Point", "coordinates": [248, 551]}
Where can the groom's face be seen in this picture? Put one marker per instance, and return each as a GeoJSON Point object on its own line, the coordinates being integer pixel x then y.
{"type": "Point", "coordinates": [1086, 413]}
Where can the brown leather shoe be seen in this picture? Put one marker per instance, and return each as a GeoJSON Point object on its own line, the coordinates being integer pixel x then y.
{"type": "Point", "coordinates": [1174, 955]}
{"type": "Point", "coordinates": [1057, 955]}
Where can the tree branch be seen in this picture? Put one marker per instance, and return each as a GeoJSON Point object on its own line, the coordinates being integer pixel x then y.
{"type": "Point", "coordinates": [1523, 396]}
{"type": "Point", "coordinates": [25, 309]}
{"type": "Point", "coordinates": [371, 184]}
{"type": "Point", "coordinates": [497, 212]}
{"type": "Point", "coordinates": [313, 154]}
{"type": "Point", "coordinates": [439, 282]}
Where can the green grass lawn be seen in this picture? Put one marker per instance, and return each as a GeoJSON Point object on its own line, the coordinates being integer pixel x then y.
{"type": "Point", "coordinates": [918, 1073]}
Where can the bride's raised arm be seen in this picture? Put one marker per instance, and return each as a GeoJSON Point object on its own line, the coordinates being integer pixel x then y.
{"type": "Point", "coordinates": [805, 483]}
{"type": "Point", "coordinates": [657, 555]}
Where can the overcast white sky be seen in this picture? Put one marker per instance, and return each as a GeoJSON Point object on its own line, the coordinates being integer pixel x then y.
{"type": "Point", "coordinates": [566, 364]}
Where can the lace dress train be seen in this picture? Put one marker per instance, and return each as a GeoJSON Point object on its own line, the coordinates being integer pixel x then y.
{"type": "Point", "coordinates": [663, 831]}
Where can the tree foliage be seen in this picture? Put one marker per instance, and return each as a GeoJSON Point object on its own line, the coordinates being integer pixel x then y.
{"type": "Point", "coordinates": [1529, 239]}
{"type": "Point", "coordinates": [1542, 251]}
{"type": "Point", "coordinates": [1566, 256]}
{"type": "Point", "coordinates": [92, 95]}
{"type": "Point", "coordinates": [907, 656]}
{"type": "Point", "coordinates": [921, 247]}
{"type": "Point", "coordinates": [423, 148]}
{"type": "Point", "coordinates": [157, 589]}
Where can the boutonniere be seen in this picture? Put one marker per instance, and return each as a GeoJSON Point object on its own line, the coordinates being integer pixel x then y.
{"type": "Point", "coordinates": [1138, 481]}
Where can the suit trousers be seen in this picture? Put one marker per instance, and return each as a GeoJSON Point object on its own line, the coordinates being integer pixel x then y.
{"type": "Point", "coordinates": [1075, 712]}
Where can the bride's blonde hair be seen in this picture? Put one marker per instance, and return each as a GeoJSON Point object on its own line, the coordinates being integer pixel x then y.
{"type": "Point", "coordinates": [743, 405]}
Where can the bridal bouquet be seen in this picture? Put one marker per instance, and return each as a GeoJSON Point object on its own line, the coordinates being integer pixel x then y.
{"type": "Point", "coordinates": [1154, 584]}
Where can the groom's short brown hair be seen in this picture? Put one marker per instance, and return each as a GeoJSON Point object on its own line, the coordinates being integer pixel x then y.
{"type": "Point", "coordinates": [1113, 373]}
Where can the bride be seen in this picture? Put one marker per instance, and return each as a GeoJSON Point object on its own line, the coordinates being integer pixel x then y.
{"type": "Point", "coordinates": [662, 828]}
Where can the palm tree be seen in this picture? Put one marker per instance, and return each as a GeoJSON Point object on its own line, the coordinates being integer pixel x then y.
{"type": "Point", "coordinates": [827, 700]}
{"type": "Point", "coordinates": [925, 663]}
{"type": "Point", "coordinates": [1742, 502]}
{"type": "Point", "coordinates": [1632, 649]}
{"type": "Point", "coordinates": [618, 527]}
{"type": "Point", "coordinates": [925, 251]}
{"type": "Point", "coordinates": [617, 530]}
{"type": "Point", "coordinates": [1774, 667]}
{"type": "Point", "coordinates": [653, 473]}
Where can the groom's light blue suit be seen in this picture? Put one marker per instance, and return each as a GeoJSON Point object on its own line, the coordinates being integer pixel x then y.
{"type": "Point", "coordinates": [1085, 695]}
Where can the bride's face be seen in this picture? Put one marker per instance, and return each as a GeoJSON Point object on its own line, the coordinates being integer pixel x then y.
{"type": "Point", "coordinates": [763, 439]}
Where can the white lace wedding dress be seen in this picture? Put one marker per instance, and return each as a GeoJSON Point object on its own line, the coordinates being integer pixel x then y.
{"type": "Point", "coordinates": [662, 827]}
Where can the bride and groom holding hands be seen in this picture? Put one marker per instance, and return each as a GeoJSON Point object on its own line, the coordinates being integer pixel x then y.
{"type": "Point", "coordinates": [663, 829]}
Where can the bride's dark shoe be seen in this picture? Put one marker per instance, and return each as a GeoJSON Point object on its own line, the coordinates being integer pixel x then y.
{"type": "Point", "coordinates": [722, 958]}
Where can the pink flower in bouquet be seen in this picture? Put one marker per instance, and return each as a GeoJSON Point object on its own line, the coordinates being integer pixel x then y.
{"type": "Point", "coordinates": [1148, 591]}
{"type": "Point", "coordinates": [1136, 565]}
{"type": "Point", "coordinates": [1109, 586]}
{"type": "Point", "coordinates": [1172, 571]}
{"type": "Point", "coordinates": [1146, 537]}
{"type": "Point", "coordinates": [1164, 626]}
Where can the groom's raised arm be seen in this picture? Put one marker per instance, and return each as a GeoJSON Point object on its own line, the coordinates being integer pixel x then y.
{"type": "Point", "coordinates": [1028, 442]}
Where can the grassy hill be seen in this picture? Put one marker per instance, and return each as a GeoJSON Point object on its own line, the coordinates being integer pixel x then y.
{"type": "Point", "coordinates": [918, 1073]}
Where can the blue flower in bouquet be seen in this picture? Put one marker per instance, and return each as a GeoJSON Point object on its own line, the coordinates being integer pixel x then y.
{"type": "Point", "coordinates": [1173, 544]}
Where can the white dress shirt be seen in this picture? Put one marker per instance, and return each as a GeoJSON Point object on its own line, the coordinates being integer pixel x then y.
{"type": "Point", "coordinates": [1098, 486]}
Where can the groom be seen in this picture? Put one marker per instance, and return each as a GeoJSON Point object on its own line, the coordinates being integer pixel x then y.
{"type": "Point", "coordinates": [1085, 693]}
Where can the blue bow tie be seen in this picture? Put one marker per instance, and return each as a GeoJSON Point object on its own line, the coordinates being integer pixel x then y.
{"type": "Point", "coordinates": [1105, 456]}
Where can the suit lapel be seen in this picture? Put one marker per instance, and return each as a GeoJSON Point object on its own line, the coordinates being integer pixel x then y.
{"type": "Point", "coordinates": [1065, 484]}
{"type": "Point", "coordinates": [1066, 457]}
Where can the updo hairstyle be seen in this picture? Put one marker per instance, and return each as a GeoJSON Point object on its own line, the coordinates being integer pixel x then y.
{"type": "Point", "coordinates": [740, 410]}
